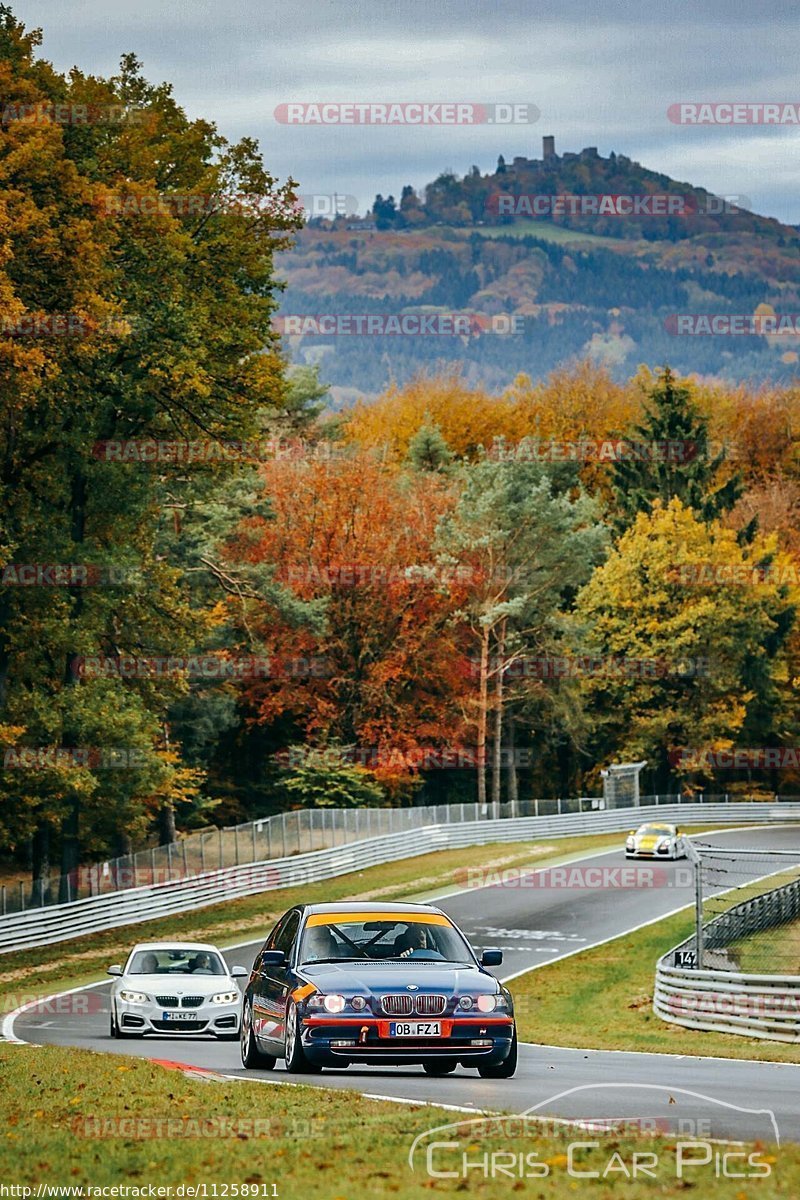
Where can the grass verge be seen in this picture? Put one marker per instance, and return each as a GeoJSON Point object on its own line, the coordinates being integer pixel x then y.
{"type": "Point", "coordinates": [773, 951]}
{"type": "Point", "coordinates": [601, 999]}
{"type": "Point", "coordinates": [76, 1118]}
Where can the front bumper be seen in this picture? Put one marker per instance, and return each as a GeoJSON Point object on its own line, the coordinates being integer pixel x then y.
{"type": "Point", "coordinates": [483, 1040]}
{"type": "Point", "coordinates": [178, 1022]}
{"type": "Point", "coordinates": [661, 852]}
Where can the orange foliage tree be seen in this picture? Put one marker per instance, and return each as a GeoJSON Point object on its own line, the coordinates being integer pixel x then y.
{"type": "Point", "coordinates": [354, 539]}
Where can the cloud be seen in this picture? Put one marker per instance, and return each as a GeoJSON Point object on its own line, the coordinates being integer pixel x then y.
{"type": "Point", "coordinates": [604, 77]}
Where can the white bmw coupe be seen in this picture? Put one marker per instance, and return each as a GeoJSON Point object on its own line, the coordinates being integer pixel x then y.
{"type": "Point", "coordinates": [176, 988]}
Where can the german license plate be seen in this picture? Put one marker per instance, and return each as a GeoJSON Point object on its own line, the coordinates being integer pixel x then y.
{"type": "Point", "coordinates": [415, 1029]}
{"type": "Point", "coordinates": [178, 1016]}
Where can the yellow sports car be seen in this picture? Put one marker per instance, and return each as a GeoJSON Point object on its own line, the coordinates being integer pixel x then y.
{"type": "Point", "coordinates": [655, 841]}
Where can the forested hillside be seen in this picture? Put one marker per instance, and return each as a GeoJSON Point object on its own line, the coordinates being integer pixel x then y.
{"type": "Point", "coordinates": [606, 286]}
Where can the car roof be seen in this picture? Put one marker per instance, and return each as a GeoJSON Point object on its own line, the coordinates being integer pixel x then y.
{"type": "Point", "coordinates": [658, 825]}
{"type": "Point", "coordinates": [166, 944]}
{"type": "Point", "coordinates": [355, 906]}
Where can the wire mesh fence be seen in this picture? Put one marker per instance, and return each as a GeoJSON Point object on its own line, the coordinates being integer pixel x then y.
{"type": "Point", "coordinates": [288, 833]}
{"type": "Point", "coordinates": [749, 904]}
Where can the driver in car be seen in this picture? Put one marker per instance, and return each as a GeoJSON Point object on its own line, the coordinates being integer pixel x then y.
{"type": "Point", "coordinates": [201, 965]}
{"type": "Point", "coordinates": [418, 944]}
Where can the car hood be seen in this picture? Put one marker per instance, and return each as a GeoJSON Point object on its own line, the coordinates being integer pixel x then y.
{"type": "Point", "coordinates": [648, 841]}
{"type": "Point", "coordinates": [178, 985]}
{"type": "Point", "coordinates": [379, 978]}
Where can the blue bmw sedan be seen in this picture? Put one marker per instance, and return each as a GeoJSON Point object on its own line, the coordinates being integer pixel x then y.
{"type": "Point", "coordinates": [387, 984]}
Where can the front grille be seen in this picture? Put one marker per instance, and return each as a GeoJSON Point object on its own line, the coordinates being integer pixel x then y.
{"type": "Point", "coordinates": [431, 1005]}
{"type": "Point", "coordinates": [191, 1001]}
{"type": "Point", "coordinates": [167, 1001]}
{"type": "Point", "coordinates": [399, 1005]}
{"type": "Point", "coordinates": [179, 1026]}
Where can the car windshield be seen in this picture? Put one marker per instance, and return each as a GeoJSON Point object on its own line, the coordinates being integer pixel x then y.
{"type": "Point", "coordinates": [658, 830]}
{"type": "Point", "coordinates": [334, 937]}
{"type": "Point", "coordinates": [171, 961]}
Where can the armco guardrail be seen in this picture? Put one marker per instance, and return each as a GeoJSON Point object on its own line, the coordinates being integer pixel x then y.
{"type": "Point", "coordinates": [57, 923]}
{"type": "Point", "coordinates": [762, 1006]}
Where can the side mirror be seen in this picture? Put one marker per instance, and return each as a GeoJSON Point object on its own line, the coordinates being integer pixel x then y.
{"type": "Point", "coordinates": [491, 958]}
{"type": "Point", "coordinates": [238, 972]}
{"type": "Point", "coordinates": [115, 970]}
{"type": "Point", "coordinates": [273, 958]}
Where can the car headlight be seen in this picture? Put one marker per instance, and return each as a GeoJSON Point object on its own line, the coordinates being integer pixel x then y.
{"type": "Point", "coordinates": [225, 998]}
{"type": "Point", "coordinates": [631, 842]}
{"type": "Point", "coordinates": [483, 1003]}
{"type": "Point", "coordinates": [332, 1003]}
{"type": "Point", "coordinates": [358, 1003]}
{"type": "Point", "coordinates": [133, 997]}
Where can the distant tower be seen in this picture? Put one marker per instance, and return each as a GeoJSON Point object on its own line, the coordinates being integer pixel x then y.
{"type": "Point", "coordinates": [548, 148]}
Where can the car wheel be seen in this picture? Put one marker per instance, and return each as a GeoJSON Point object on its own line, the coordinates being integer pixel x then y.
{"type": "Point", "coordinates": [296, 1060]}
{"type": "Point", "coordinates": [252, 1057]}
{"type": "Point", "coordinates": [439, 1066]}
{"type": "Point", "coordinates": [505, 1069]}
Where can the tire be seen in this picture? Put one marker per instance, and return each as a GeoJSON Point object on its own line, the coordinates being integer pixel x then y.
{"type": "Point", "coordinates": [505, 1069]}
{"type": "Point", "coordinates": [252, 1057]}
{"type": "Point", "coordinates": [440, 1066]}
{"type": "Point", "coordinates": [296, 1060]}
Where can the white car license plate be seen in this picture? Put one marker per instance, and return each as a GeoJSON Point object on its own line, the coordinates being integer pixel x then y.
{"type": "Point", "coordinates": [178, 1016]}
{"type": "Point", "coordinates": [415, 1029]}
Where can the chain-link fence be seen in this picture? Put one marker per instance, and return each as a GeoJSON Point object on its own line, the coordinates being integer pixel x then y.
{"type": "Point", "coordinates": [747, 910]}
{"type": "Point", "coordinates": [296, 832]}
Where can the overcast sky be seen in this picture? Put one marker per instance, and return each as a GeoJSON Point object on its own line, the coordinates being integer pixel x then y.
{"type": "Point", "coordinates": [601, 73]}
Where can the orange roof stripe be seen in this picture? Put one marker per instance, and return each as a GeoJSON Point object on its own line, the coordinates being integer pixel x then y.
{"type": "Point", "coordinates": [345, 918]}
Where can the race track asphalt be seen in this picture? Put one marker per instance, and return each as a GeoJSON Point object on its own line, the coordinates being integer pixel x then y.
{"type": "Point", "coordinates": [534, 925]}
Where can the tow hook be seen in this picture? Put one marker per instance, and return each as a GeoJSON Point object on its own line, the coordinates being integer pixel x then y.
{"type": "Point", "coordinates": [362, 1037]}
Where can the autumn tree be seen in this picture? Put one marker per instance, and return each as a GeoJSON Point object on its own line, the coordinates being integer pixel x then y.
{"type": "Point", "coordinates": [352, 541]}
{"type": "Point", "coordinates": [168, 306]}
{"type": "Point", "coordinates": [684, 658]}
{"type": "Point", "coordinates": [528, 536]}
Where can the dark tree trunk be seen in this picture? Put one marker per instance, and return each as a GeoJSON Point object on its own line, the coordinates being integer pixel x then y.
{"type": "Point", "coordinates": [513, 778]}
{"type": "Point", "coordinates": [167, 832]}
{"type": "Point", "coordinates": [40, 865]}
{"type": "Point", "coordinates": [70, 853]}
